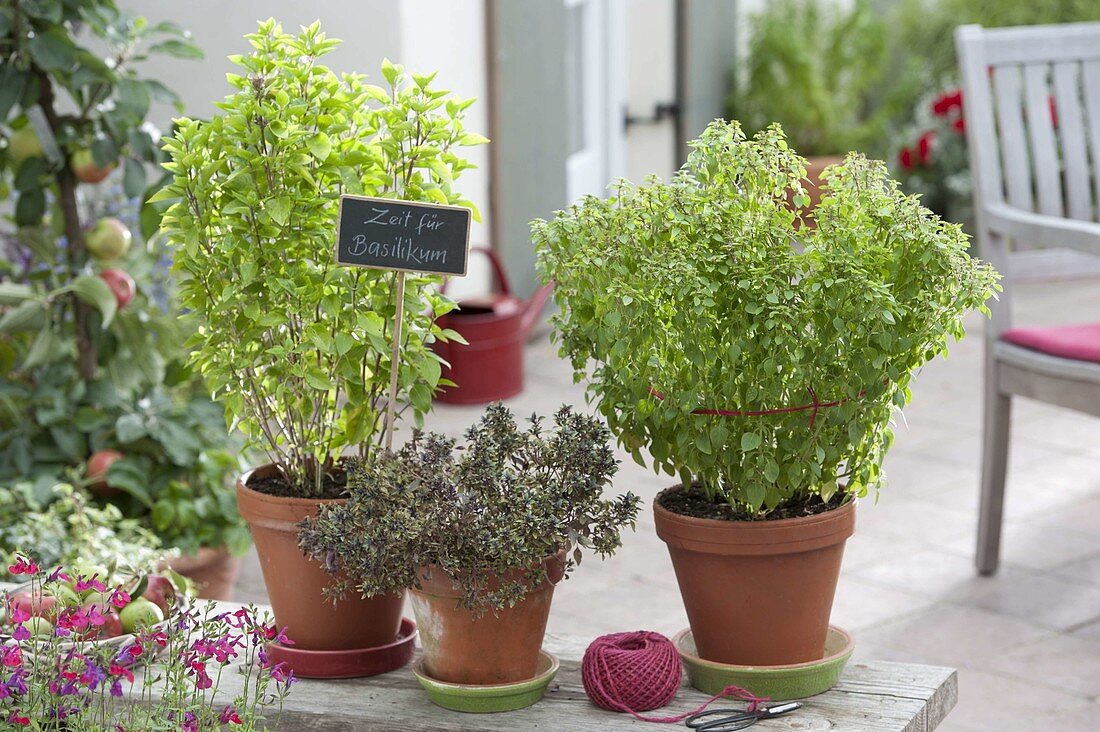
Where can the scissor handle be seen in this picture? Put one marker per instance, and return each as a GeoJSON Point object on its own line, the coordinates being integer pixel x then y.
{"type": "Point", "coordinates": [733, 715]}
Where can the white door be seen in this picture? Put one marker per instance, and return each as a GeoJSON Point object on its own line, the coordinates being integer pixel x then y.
{"type": "Point", "coordinates": [595, 94]}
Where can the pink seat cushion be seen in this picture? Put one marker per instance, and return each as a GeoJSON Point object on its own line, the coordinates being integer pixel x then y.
{"type": "Point", "coordinates": [1079, 342]}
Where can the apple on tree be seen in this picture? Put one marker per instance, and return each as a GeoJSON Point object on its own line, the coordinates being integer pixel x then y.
{"type": "Point", "coordinates": [85, 169]}
{"type": "Point", "coordinates": [121, 284]}
{"type": "Point", "coordinates": [24, 144]}
{"type": "Point", "coordinates": [98, 464]}
{"type": "Point", "coordinates": [108, 239]}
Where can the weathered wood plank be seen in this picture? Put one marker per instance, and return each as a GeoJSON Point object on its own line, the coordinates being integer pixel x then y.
{"type": "Point", "coordinates": [871, 697]}
{"type": "Point", "coordinates": [875, 697]}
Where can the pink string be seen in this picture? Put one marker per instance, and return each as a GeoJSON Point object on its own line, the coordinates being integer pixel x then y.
{"type": "Point", "coordinates": [641, 670]}
{"type": "Point", "coordinates": [816, 407]}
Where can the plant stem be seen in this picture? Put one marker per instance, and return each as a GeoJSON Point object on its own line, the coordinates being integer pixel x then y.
{"type": "Point", "coordinates": [87, 357]}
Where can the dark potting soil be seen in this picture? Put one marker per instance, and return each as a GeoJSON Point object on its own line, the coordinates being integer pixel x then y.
{"type": "Point", "coordinates": [333, 486]}
{"type": "Point", "coordinates": [695, 503]}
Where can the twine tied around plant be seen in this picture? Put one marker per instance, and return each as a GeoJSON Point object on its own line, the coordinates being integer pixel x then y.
{"type": "Point", "coordinates": [641, 670]}
{"type": "Point", "coordinates": [815, 406]}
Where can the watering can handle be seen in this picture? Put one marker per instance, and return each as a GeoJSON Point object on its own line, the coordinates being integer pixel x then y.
{"type": "Point", "coordinates": [498, 271]}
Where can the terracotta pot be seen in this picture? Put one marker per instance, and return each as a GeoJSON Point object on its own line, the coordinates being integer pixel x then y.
{"type": "Point", "coordinates": [295, 583]}
{"type": "Point", "coordinates": [814, 167]}
{"type": "Point", "coordinates": [757, 592]}
{"type": "Point", "coordinates": [496, 648]}
{"type": "Point", "coordinates": [213, 570]}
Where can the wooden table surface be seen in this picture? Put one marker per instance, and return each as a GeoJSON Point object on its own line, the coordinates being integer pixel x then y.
{"type": "Point", "coordinates": [871, 697]}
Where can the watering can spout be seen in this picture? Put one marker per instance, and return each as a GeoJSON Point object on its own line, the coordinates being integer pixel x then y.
{"type": "Point", "coordinates": [534, 307]}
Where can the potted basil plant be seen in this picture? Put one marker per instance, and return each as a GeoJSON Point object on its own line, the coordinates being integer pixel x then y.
{"type": "Point", "coordinates": [762, 373]}
{"type": "Point", "coordinates": [296, 347]}
{"type": "Point", "coordinates": [480, 533]}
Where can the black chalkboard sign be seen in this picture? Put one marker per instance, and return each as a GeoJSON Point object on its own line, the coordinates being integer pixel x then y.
{"type": "Point", "coordinates": [383, 233]}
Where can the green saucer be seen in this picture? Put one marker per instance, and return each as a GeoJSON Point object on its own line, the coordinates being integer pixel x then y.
{"type": "Point", "coordinates": [491, 697]}
{"type": "Point", "coordinates": [791, 681]}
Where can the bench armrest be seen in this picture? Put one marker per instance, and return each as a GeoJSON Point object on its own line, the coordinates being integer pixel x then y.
{"type": "Point", "coordinates": [1041, 229]}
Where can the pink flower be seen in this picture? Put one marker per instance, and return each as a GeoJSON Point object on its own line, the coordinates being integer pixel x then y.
{"type": "Point", "coordinates": [84, 584]}
{"type": "Point", "coordinates": [120, 598]}
{"type": "Point", "coordinates": [21, 633]}
{"type": "Point", "coordinates": [13, 656]}
{"type": "Point", "coordinates": [23, 566]}
{"type": "Point", "coordinates": [229, 715]}
{"type": "Point", "coordinates": [16, 719]}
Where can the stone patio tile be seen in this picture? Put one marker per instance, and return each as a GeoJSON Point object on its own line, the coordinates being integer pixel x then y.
{"type": "Point", "coordinates": [1079, 515]}
{"type": "Point", "coordinates": [1064, 663]}
{"type": "Point", "coordinates": [861, 604]}
{"type": "Point", "coordinates": [907, 518]}
{"type": "Point", "coordinates": [932, 573]}
{"type": "Point", "coordinates": [1083, 570]}
{"type": "Point", "coordinates": [1036, 545]}
{"type": "Point", "coordinates": [990, 701]}
{"type": "Point", "coordinates": [867, 547]}
{"type": "Point", "coordinates": [1041, 599]}
{"type": "Point", "coordinates": [949, 635]}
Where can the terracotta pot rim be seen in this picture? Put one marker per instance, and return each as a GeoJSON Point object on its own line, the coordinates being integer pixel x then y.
{"type": "Point", "coordinates": [763, 524]}
{"type": "Point", "coordinates": [441, 583]}
{"type": "Point", "coordinates": [258, 497]}
{"type": "Point", "coordinates": [781, 536]}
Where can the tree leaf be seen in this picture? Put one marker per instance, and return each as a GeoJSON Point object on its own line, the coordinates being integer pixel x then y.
{"type": "Point", "coordinates": [30, 207]}
{"type": "Point", "coordinates": [25, 316]}
{"type": "Point", "coordinates": [133, 179]}
{"type": "Point", "coordinates": [52, 49]}
{"type": "Point", "coordinates": [95, 292]}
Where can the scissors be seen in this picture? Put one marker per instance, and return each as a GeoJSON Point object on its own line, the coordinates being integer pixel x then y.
{"type": "Point", "coordinates": [737, 718]}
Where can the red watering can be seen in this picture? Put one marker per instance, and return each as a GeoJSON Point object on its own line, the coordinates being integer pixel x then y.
{"type": "Point", "coordinates": [496, 328]}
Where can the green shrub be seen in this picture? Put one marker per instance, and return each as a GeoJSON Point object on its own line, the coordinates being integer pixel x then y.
{"type": "Point", "coordinates": [690, 295]}
{"type": "Point", "coordinates": [505, 500]}
{"type": "Point", "coordinates": [822, 72]}
{"type": "Point", "coordinates": [295, 346]}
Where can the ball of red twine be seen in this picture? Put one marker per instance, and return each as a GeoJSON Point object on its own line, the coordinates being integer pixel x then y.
{"type": "Point", "coordinates": [631, 672]}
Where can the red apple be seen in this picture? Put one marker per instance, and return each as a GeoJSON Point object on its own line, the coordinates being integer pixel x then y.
{"type": "Point", "coordinates": [108, 239]}
{"type": "Point", "coordinates": [24, 144]}
{"type": "Point", "coordinates": [121, 284]}
{"type": "Point", "coordinates": [111, 628]}
{"type": "Point", "coordinates": [38, 605]}
{"type": "Point", "coordinates": [85, 169]}
{"type": "Point", "coordinates": [160, 592]}
{"type": "Point", "coordinates": [98, 464]}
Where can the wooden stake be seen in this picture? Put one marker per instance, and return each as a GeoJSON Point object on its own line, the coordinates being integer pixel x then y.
{"type": "Point", "coordinates": [395, 359]}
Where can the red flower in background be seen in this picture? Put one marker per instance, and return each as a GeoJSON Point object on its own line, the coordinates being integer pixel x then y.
{"type": "Point", "coordinates": [924, 148]}
{"type": "Point", "coordinates": [905, 158]}
{"type": "Point", "coordinates": [1053, 111]}
{"type": "Point", "coordinates": [959, 125]}
{"type": "Point", "coordinates": [947, 101]}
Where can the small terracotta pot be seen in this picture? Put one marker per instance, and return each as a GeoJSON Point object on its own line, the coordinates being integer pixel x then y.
{"type": "Point", "coordinates": [757, 593]}
{"type": "Point", "coordinates": [295, 584]}
{"type": "Point", "coordinates": [499, 648]}
{"type": "Point", "coordinates": [213, 570]}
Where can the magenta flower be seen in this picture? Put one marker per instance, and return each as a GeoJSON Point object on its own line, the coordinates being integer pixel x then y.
{"type": "Point", "coordinates": [23, 566]}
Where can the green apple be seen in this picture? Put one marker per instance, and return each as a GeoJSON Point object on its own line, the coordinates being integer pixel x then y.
{"type": "Point", "coordinates": [140, 613]}
{"type": "Point", "coordinates": [24, 144]}
{"type": "Point", "coordinates": [39, 627]}
{"type": "Point", "coordinates": [65, 595]}
{"type": "Point", "coordinates": [85, 169]}
{"type": "Point", "coordinates": [108, 239]}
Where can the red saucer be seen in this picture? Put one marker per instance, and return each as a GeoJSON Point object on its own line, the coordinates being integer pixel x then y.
{"type": "Point", "coordinates": [349, 663]}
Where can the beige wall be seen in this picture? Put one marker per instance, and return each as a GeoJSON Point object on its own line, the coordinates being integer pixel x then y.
{"type": "Point", "coordinates": [424, 35]}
